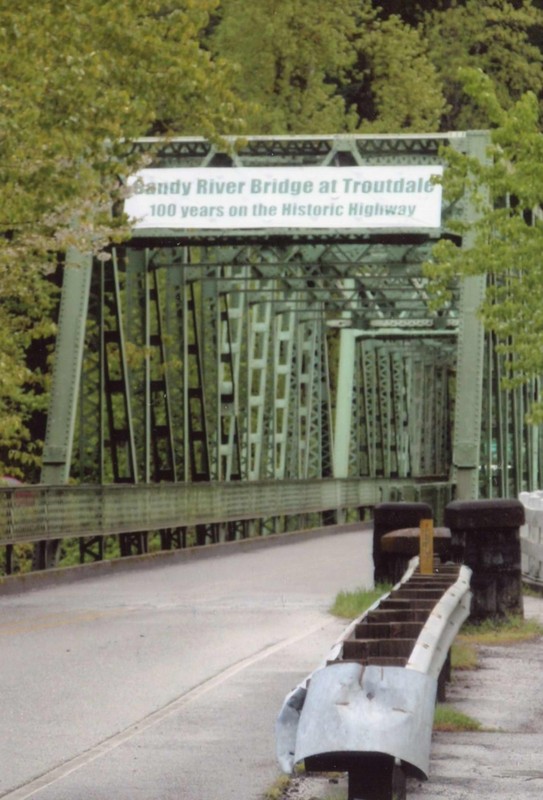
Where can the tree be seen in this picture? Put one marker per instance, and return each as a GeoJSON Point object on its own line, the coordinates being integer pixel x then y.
{"type": "Point", "coordinates": [497, 36]}
{"type": "Point", "coordinates": [394, 87]}
{"type": "Point", "coordinates": [316, 68]}
{"type": "Point", "coordinates": [508, 234]}
{"type": "Point", "coordinates": [290, 54]}
{"type": "Point", "coordinates": [80, 81]}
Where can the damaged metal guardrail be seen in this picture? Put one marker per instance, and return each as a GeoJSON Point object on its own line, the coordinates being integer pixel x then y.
{"type": "Point", "coordinates": [368, 710]}
{"type": "Point", "coordinates": [532, 538]}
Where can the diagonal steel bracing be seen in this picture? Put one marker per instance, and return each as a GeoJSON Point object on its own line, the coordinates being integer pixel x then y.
{"type": "Point", "coordinates": [250, 354]}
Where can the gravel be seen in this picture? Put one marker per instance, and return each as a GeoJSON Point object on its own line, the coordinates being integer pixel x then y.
{"type": "Point", "coordinates": [503, 761]}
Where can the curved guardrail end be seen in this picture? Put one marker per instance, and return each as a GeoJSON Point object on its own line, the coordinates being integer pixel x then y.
{"type": "Point", "coordinates": [286, 728]}
{"type": "Point", "coordinates": [350, 708]}
{"type": "Point", "coordinates": [358, 706]}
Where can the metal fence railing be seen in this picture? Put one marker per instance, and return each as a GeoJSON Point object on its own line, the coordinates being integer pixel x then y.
{"type": "Point", "coordinates": [40, 513]}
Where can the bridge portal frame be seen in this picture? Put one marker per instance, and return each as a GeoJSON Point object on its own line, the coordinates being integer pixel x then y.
{"type": "Point", "coordinates": [359, 309]}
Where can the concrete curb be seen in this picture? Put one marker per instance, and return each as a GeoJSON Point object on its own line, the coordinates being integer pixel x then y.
{"type": "Point", "coordinates": [30, 581]}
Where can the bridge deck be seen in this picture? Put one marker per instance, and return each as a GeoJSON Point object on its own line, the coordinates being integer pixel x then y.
{"type": "Point", "coordinates": [165, 681]}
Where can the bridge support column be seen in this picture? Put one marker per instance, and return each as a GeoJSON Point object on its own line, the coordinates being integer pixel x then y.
{"type": "Point", "coordinates": [486, 536]}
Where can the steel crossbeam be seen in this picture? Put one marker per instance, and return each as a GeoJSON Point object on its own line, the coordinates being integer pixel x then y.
{"type": "Point", "coordinates": [231, 358]}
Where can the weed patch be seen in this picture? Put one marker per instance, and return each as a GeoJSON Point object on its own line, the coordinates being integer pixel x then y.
{"type": "Point", "coordinates": [464, 656]}
{"type": "Point", "coordinates": [277, 791]}
{"type": "Point", "coordinates": [447, 718]}
{"type": "Point", "coordinates": [532, 591]}
{"type": "Point", "coordinates": [350, 605]}
{"type": "Point", "coordinates": [508, 630]}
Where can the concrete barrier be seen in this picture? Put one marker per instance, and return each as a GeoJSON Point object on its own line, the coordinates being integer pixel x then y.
{"type": "Point", "coordinates": [486, 537]}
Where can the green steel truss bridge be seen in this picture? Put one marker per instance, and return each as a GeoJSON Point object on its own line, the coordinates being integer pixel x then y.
{"type": "Point", "coordinates": [218, 380]}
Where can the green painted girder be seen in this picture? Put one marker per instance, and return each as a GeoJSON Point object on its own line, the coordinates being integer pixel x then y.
{"type": "Point", "coordinates": [115, 385]}
{"type": "Point", "coordinates": [389, 290]}
{"type": "Point", "coordinates": [304, 150]}
{"type": "Point", "coordinates": [255, 321]}
{"type": "Point", "coordinates": [63, 404]}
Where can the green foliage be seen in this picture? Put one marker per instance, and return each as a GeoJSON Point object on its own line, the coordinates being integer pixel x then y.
{"type": "Point", "coordinates": [506, 239]}
{"type": "Point", "coordinates": [397, 87]}
{"type": "Point", "coordinates": [22, 555]}
{"type": "Point", "coordinates": [495, 36]}
{"type": "Point", "coordinates": [80, 80]}
{"type": "Point", "coordinates": [317, 68]}
{"type": "Point", "coordinates": [352, 604]}
{"type": "Point", "coordinates": [447, 718]}
{"type": "Point", "coordinates": [289, 56]}
{"type": "Point", "coordinates": [501, 631]}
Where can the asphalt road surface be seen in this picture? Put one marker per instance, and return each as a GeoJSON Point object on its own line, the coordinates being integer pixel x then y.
{"type": "Point", "coordinates": [164, 683]}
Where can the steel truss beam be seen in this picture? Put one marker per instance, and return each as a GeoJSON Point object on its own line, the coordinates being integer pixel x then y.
{"type": "Point", "coordinates": [243, 307]}
{"type": "Point", "coordinates": [220, 350]}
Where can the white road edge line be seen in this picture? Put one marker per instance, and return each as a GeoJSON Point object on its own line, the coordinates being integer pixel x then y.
{"type": "Point", "coordinates": [72, 765]}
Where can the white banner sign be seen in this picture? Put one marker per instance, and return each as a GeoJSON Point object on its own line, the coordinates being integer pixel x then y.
{"type": "Point", "coordinates": [286, 197]}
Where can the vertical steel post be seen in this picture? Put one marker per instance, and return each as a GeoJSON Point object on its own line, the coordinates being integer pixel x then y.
{"type": "Point", "coordinates": [283, 345]}
{"type": "Point", "coordinates": [114, 377]}
{"type": "Point", "coordinates": [63, 401]}
{"type": "Point", "coordinates": [344, 403]}
{"type": "Point", "coordinates": [62, 411]}
{"type": "Point", "coordinates": [469, 390]}
{"type": "Point", "coordinates": [259, 325]}
{"type": "Point", "coordinates": [470, 363]}
{"type": "Point", "coordinates": [147, 373]}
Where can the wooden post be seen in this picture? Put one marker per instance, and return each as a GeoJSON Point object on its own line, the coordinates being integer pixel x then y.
{"type": "Point", "coordinates": [426, 527]}
{"type": "Point", "coordinates": [392, 517]}
{"type": "Point", "coordinates": [377, 778]}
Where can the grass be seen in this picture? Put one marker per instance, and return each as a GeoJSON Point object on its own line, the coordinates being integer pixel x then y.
{"type": "Point", "coordinates": [294, 785]}
{"type": "Point", "coordinates": [501, 631]}
{"type": "Point", "coordinates": [449, 719]}
{"type": "Point", "coordinates": [350, 605]}
{"type": "Point", "coordinates": [532, 591]}
{"type": "Point", "coordinates": [508, 630]}
{"type": "Point", "coordinates": [277, 791]}
{"type": "Point", "coordinates": [464, 656]}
